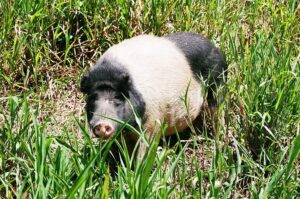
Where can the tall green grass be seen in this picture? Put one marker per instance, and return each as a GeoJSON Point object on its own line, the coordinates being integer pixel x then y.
{"type": "Point", "coordinates": [46, 45]}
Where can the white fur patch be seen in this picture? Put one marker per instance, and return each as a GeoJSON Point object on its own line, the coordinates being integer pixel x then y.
{"type": "Point", "coordinates": [161, 73]}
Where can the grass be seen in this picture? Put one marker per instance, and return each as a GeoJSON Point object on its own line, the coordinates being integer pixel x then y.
{"type": "Point", "coordinates": [45, 147]}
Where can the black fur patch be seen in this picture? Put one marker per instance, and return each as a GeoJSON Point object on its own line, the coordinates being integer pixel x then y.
{"type": "Point", "coordinates": [204, 57]}
{"type": "Point", "coordinates": [105, 73]}
{"type": "Point", "coordinates": [113, 75]}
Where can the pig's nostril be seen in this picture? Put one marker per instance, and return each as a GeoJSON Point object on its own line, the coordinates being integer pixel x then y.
{"type": "Point", "coordinates": [104, 130]}
{"type": "Point", "coordinates": [108, 128]}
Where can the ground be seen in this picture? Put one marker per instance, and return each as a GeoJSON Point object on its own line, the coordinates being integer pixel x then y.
{"type": "Point", "coordinates": [46, 150]}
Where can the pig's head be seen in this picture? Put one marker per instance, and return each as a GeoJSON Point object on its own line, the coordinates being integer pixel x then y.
{"type": "Point", "coordinates": [110, 94]}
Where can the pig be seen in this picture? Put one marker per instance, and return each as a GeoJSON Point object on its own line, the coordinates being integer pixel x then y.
{"type": "Point", "coordinates": [158, 78]}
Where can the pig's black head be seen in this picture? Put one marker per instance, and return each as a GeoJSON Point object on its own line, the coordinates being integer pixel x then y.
{"type": "Point", "coordinates": [109, 92]}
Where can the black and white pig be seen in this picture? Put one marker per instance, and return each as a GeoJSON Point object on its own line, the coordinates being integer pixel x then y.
{"type": "Point", "coordinates": [160, 76]}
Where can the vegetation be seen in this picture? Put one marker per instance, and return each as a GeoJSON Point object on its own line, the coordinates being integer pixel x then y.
{"type": "Point", "coordinates": [45, 147]}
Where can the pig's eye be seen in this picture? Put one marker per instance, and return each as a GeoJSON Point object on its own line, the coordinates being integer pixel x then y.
{"type": "Point", "coordinates": [118, 100]}
{"type": "Point", "coordinates": [117, 103]}
{"type": "Point", "coordinates": [119, 97]}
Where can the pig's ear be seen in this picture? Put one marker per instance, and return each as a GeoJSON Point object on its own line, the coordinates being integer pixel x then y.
{"type": "Point", "coordinates": [84, 84]}
{"type": "Point", "coordinates": [125, 83]}
{"type": "Point", "coordinates": [125, 79]}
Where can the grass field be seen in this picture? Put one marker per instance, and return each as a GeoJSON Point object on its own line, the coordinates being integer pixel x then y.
{"type": "Point", "coordinates": [45, 147]}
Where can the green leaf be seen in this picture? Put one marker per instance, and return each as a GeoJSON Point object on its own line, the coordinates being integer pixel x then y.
{"type": "Point", "coordinates": [105, 187]}
{"type": "Point", "coordinates": [294, 153]}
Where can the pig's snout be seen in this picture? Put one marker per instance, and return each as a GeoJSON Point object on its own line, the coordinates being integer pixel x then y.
{"type": "Point", "coordinates": [104, 130]}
